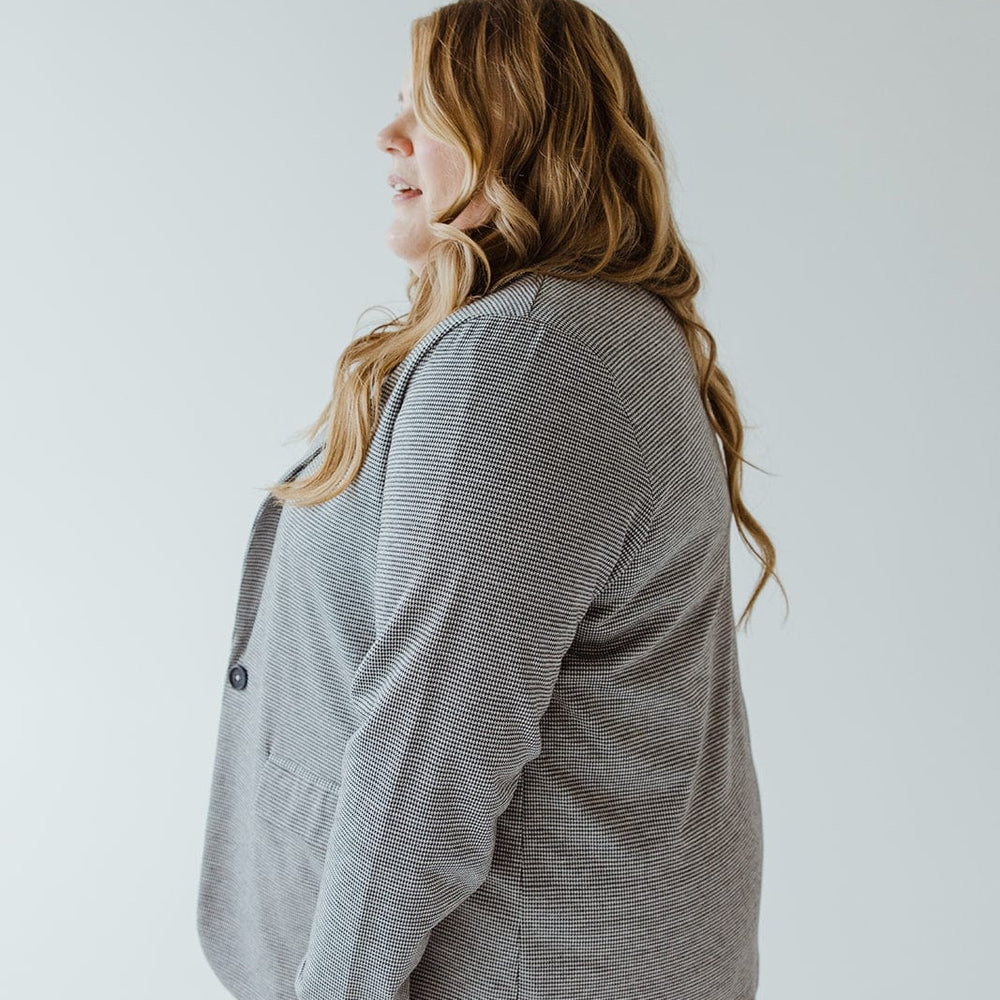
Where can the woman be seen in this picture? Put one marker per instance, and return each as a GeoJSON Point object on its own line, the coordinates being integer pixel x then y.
{"type": "Point", "coordinates": [482, 729]}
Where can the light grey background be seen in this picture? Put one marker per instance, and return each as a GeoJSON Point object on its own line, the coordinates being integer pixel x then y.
{"type": "Point", "coordinates": [192, 216]}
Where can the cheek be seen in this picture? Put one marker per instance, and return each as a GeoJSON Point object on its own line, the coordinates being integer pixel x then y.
{"type": "Point", "coordinates": [441, 167]}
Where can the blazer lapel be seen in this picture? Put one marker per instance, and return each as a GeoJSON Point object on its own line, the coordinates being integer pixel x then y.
{"type": "Point", "coordinates": [255, 562]}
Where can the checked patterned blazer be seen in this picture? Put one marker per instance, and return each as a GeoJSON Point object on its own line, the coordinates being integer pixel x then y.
{"type": "Point", "coordinates": [482, 731]}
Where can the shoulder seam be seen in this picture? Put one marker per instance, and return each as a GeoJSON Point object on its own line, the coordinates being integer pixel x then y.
{"type": "Point", "coordinates": [590, 352]}
{"type": "Point", "coordinates": [647, 511]}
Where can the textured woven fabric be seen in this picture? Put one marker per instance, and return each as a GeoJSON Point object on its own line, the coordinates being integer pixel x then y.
{"type": "Point", "coordinates": [486, 738]}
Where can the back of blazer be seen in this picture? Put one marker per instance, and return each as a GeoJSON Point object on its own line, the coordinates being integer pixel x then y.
{"type": "Point", "coordinates": [482, 733]}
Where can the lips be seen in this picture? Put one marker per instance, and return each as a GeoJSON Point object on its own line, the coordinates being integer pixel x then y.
{"type": "Point", "coordinates": [395, 179]}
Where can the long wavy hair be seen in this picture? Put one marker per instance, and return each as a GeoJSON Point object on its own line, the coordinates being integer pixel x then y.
{"type": "Point", "coordinates": [542, 100]}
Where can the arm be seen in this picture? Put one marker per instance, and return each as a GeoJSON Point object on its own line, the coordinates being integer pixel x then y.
{"type": "Point", "coordinates": [513, 482]}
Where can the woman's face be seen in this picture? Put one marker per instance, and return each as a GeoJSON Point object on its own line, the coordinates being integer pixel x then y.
{"type": "Point", "coordinates": [434, 170]}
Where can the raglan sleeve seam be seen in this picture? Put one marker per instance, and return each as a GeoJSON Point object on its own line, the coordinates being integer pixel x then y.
{"type": "Point", "coordinates": [645, 518]}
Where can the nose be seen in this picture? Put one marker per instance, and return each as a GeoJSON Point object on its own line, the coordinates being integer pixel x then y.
{"type": "Point", "coordinates": [393, 139]}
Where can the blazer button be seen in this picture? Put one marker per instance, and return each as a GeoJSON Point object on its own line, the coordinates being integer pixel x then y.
{"type": "Point", "coordinates": [238, 677]}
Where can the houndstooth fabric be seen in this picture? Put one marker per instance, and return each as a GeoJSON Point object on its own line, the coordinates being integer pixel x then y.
{"type": "Point", "coordinates": [482, 731]}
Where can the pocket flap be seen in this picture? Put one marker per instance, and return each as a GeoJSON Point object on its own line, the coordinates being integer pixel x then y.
{"type": "Point", "coordinates": [299, 802]}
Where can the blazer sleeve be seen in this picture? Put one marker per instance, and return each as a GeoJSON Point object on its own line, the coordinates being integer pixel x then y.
{"type": "Point", "coordinates": [513, 484]}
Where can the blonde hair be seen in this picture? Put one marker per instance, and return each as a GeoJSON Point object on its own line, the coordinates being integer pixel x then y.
{"type": "Point", "coordinates": [542, 99]}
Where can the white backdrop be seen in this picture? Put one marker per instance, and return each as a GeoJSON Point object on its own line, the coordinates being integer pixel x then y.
{"type": "Point", "coordinates": [191, 217]}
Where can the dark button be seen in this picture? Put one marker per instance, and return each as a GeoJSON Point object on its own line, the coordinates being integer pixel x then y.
{"type": "Point", "coordinates": [238, 677]}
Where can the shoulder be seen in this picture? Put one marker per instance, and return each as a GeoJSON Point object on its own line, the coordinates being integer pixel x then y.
{"type": "Point", "coordinates": [512, 356]}
{"type": "Point", "coordinates": [534, 325]}
{"type": "Point", "coordinates": [547, 351]}
{"type": "Point", "coordinates": [519, 393]}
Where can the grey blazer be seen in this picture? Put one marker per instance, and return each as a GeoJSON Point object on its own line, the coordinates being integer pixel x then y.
{"type": "Point", "coordinates": [482, 729]}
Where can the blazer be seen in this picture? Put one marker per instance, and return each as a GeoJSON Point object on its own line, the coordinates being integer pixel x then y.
{"type": "Point", "coordinates": [482, 730]}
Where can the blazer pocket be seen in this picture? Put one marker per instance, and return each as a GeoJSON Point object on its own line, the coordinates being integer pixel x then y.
{"type": "Point", "coordinates": [297, 801]}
